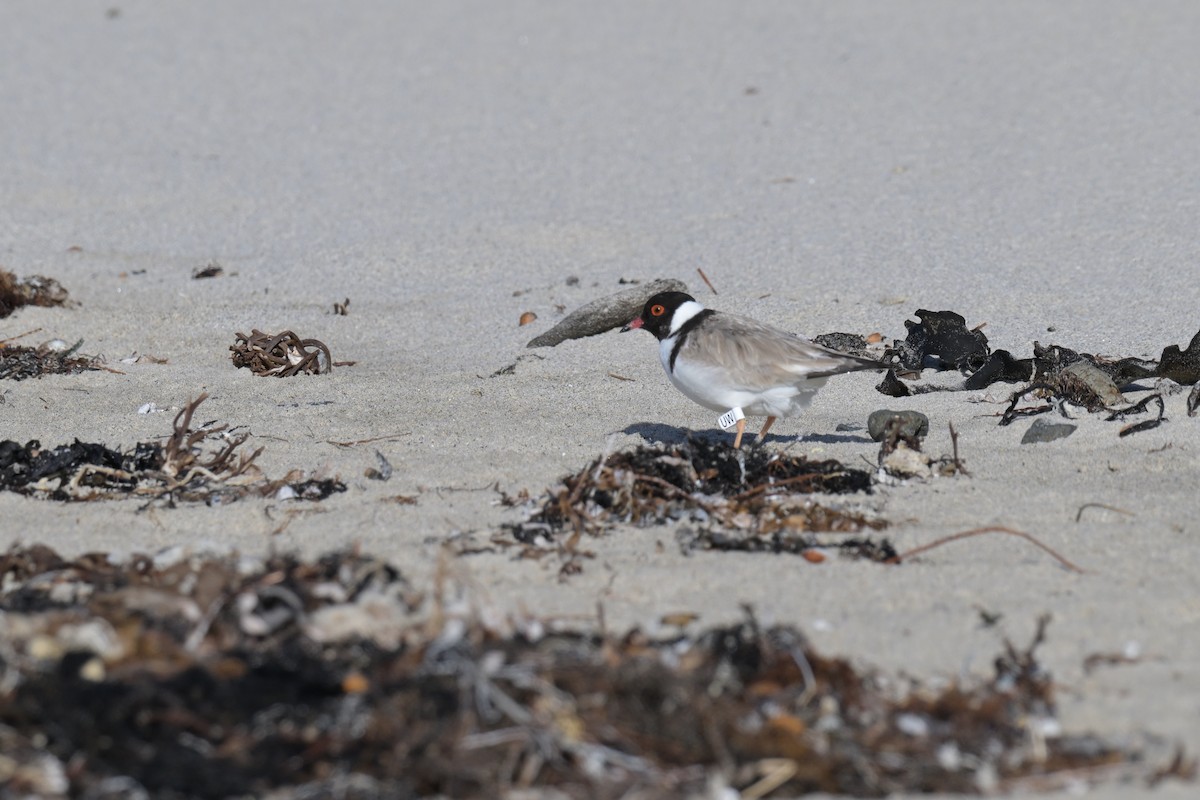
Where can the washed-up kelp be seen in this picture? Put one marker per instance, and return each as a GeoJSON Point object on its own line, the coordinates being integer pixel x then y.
{"type": "Point", "coordinates": [36, 290]}
{"type": "Point", "coordinates": [942, 341]}
{"type": "Point", "coordinates": [281, 355]}
{"type": "Point", "coordinates": [201, 465]}
{"type": "Point", "coordinates": [205, 676]}
{"type": "Point", "coordinates": [18, 362]}
{"type": "Point", "coordinates": [753, 492]}
{"type": "Point", "coordinates": [1057, 374]}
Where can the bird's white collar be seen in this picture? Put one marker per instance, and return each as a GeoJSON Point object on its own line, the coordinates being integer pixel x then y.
{"type": "Point", "coordinates": [682, 314]}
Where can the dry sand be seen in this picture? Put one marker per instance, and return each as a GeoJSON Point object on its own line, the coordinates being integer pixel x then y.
{"type": "Point", "coordinates": [449, 166]}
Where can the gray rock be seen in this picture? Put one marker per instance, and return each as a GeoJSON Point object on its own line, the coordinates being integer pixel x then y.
{"type": "Point", "coordinates": [1047, 430]}
{"type": "Point", "coordinates": [912, 423]}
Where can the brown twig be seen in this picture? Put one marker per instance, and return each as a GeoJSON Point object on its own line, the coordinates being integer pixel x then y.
{"type": "Point", "coordinates": [979, 531]}
{"type": "Point", "coordinates": [707, 282]}
{"type": "Point", "coordinates": [1079, 513]}
{"type": "Point", "coordinates": [958, 464]}
{"type": "Point", "coordinates": [767, 487]}
{"type": "Point", "coordinates": [386, 438]}
{"type": "Point", "coordinates": [3, 342]}
{"type": "Point", "coordinates": [675, 490]}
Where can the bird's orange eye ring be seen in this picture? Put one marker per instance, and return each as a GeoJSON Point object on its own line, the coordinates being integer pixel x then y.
{"type": "Point", "coordinates": [657, 311]}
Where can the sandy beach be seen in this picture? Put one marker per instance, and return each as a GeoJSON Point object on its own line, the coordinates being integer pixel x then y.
{"type": "Point", "coordinates": [448, 167]}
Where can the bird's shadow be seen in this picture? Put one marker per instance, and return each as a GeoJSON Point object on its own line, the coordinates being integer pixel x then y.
{"type": "Point", "coordinates": [673, 434]}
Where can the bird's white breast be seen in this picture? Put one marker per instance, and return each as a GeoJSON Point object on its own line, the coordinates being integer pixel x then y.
{"type": "Point", "coordinates": [712, 386]}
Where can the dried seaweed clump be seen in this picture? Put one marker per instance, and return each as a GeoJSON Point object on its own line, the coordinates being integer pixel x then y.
{"type": "Point", "coordinates": [18, 362]}
{"type": "Point", "coordinates": [209, 677]}
{"type": "Point", "coordinates": [942, 341]}
{"type": "Point", "coordinates": [36, 290]}
{"type": "Point", "coordinates": [756, 492]}
{"type": "Point", "coordinates": [182, 468]}
{"type": "Point", "coordinates": [282, 355]}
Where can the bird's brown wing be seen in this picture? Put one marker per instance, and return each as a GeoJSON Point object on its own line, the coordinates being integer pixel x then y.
{"type": "Point", "coordinates": [755, 355]}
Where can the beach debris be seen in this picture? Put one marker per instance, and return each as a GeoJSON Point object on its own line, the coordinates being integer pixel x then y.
{"type": "Point", "coordinates": [342, 309]}
{"type": "Point", "coordinates": [1003, 367]}
{"type": "Point", "coordinates": [35, 290]}
{"type": "Point", "coordinates": [892, 386]}
{"type": "Point", "coordinates": [1099, 384]}
{"type": "Point", "coordinates": [605, 313]}
{"type": "Point", "coordinates": [1131, 653]}
{"type": "Point", "coordinates": [210, 270]}
{"type": "Point", "coordinates": [1139, 408]}
{"type": "Point", "coordinates": [18, 362]}
{"type": "Point", "coordinates": [511, 369]}
{"type": "Point", "coordinates": [1104, 506]}
{"type": "Point", "coordinates": [1183, 367]}
{"type": "Point", "coordinates": [941, 341]}
{"type": "Point", "coordinates": [1060, 395]}
{"type": "Point", "coordinates": [849, 343]}
{"type": "Point", "coordinates": [385, 468]}
{"type": "Point", "coordinates": [281, 355]}
{"type": "Point", "coordinates": [186, 674]}
{"type": "Point", "coordinates": [307, 488]}
{"type": "Point", "coordinates": [794, 542]}
{"type": "Point", "coordinates": [707, 282]}
{"type": "Point", "coordinates": [387, 437]}
{"type": "Point", "coordinates": [900, 434]}
{"type": "Point", "coordinates": [206, 465]}
{"type": "Point", "coordinates": [1000, 529]}
{"type": "Point", "coordinates": [1055, 373]}
{"type": "Point", "coordinates": [526, 318]}
{"type": "Point", "coordinates": [745, 494]}
{"type": "Point", "coordinates": [137, 358]}
{"type": "Point", "coordinates": [1193, 401]}
{"type": "Point", "coordinates": [909, 424]}
{"type": "Point", "coordinates": [901, 460]}
{"type": "Point", "coordinates": [1045, 430]}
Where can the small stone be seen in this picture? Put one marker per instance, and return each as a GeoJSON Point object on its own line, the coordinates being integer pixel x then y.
{"type": "Point", "coordinates": [1047, 430]}
{"type": "Point", "coordinates": [912, 423]}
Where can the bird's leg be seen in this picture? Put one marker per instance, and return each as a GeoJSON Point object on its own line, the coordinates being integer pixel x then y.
{"type": "Point", "coordinates": [741, 428]}
{"type": "Point", "coordinates": [766, 427]}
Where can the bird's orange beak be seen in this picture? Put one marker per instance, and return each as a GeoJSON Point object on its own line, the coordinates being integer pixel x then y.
{"type": "Point", "coordinates": [636, 322]}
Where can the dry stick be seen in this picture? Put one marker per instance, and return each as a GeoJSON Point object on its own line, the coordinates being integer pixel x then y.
{"type": "Point", "coordinates": [707, 282]}
{"type": "Point", "coordinates": [764, 487]}
{"type": "Point", "coordinates": [976, 532]}
{"type": "Point", "coordinates": [1079, 513]}
{"type": "Point", "coordinates": [711, 509]}
{"type": "Point", "coordinates": [3, 342]}
{"type": "Point", "coordinates": [958, 465]}
{"type": "Point", "coordinates": [368, 441]}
